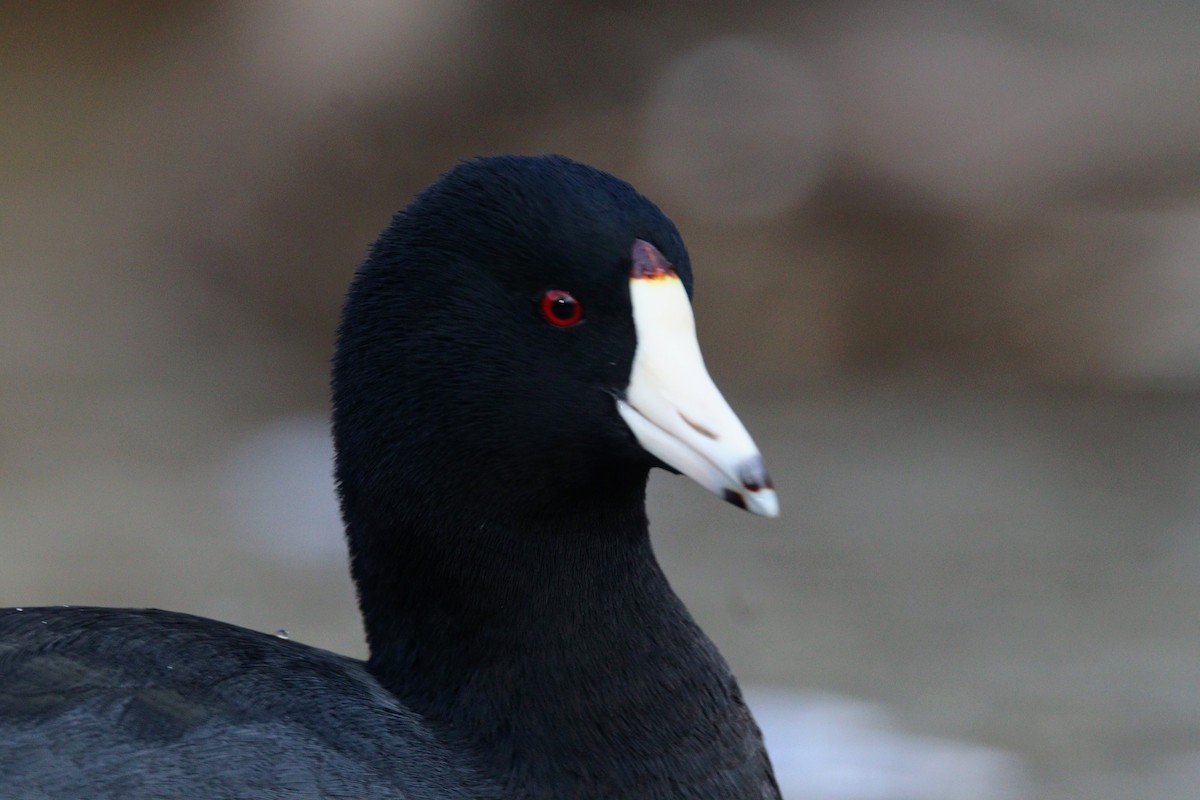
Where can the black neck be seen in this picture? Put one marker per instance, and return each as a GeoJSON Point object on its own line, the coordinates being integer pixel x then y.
{"type": "Point", "coordinates": [554, 643]}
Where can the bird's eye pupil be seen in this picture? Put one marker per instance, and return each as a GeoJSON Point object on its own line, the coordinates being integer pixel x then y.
{"type": "Point", "coordinates": [561, 308]}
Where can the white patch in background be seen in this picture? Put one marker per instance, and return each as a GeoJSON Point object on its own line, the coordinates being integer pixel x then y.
{"type": "Point", "coordinates": [1013, 109]}
{"type": "Point", "coordinates": [736, 130]}
{"type": "Point", "coordinates": [277, 486]}
{"type": "Point", "coordinates": [826, 747]}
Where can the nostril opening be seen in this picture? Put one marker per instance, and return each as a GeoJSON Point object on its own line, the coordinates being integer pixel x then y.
{"type": "Point", "coordinates": [698, 428]}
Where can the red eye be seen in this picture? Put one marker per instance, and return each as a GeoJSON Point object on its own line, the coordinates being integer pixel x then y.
{"type": "Point", "coordinates": [560, 308]}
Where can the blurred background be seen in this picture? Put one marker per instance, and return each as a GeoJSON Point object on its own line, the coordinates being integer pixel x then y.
{"type": "Point", "coordinates": [948, 260]}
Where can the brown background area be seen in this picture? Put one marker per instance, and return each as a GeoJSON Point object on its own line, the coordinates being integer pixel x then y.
{"type": "Point", "coordinates": [948, 264]}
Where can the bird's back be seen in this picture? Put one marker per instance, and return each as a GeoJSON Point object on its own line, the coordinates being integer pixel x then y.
{"type": "Point", "coordinates": [117, 703]}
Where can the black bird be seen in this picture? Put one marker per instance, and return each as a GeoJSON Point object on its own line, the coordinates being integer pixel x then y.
{"type": "Point", "coordinates": [515, 354]}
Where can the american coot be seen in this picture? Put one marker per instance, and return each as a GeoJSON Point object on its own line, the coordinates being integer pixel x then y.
{"type": "Point", "coordinates": [515, 354]}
